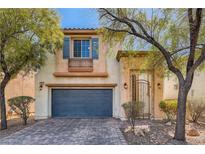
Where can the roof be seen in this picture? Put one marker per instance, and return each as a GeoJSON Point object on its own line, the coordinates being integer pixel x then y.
{"type": "Point", "coordinates": [69, 28]}
{"type": "Point", "coordinates": [124, 53]}
{"type": "Point", "coordinates": [80, 31]}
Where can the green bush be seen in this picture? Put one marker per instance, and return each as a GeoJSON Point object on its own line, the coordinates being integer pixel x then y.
{"type": "Point", "coordinates": [169, 107]}
{"type": "Point", "coordinates": [21, 106]}
{"type": "Point", "coordinates": [132, 111]}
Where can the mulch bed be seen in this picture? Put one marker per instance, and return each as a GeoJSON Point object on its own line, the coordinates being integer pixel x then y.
{"type": "Point", "coordinates": [160, 134]}
{"type": "Point", "coordinates": [15, 125]}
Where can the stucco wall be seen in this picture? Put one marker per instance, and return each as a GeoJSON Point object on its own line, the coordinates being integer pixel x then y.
{"type": "Point", "coordinates": [20, 86]}
{"type": "Point", "coordinates": [43, 97]}
{"type": "Point", "coordinates": [197, 90]}
{"type": "Point", "coordinates": [158, 93]}
{"type": "Point", "coordinates": [99, 65]}
{"type": "Point", "coordinates": [129, 64]}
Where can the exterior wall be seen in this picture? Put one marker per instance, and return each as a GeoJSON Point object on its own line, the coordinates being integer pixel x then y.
{"type": "Point", "coordinates": [99, 65]}
{"type": "Point", "coordinates": [20, 86]}
{"type": "Point", "coordinates": [158, 93]}
{"type": "Point", "coordinates": [197, 90]}
{"type": "Point", "coordinates": [127, 64]}
{"type": "Point", "coordinates": [118, 73]}
{"type": "Point", "coordinates": [55, 63]}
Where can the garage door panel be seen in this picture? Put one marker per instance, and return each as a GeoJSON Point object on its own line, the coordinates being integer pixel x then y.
{"type": "Point", "coordinates": [81, 103]}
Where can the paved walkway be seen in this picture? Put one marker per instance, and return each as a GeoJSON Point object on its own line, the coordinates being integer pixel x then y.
{"type": "Point", "coordinates": [69, 131]}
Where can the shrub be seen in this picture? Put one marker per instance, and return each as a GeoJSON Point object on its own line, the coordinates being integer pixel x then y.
{"type": "Point", "coordinates": [169, 107]}
{"type": "Point", "coordinates": [21, 106]}
{"type": "Point", "coordinates": [132, 111]}
{"type": "Point", "coordinates": [196, 108]}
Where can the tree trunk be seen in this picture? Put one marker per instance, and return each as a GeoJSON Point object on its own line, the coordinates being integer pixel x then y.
{"type": "Point", "coordinates": [3, 101]}
{"type": "Point", "coordinates": [181, 114]}
{"type": "Point", "coordinates": [25, 120]}
{"type": "Point", "coordinates": [3, 108]}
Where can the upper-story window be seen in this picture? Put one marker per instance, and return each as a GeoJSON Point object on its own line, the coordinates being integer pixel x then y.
{"type": "Point", "coordinates": [85, 48]}
{"type": "Point", "coordinates": [81, 48]}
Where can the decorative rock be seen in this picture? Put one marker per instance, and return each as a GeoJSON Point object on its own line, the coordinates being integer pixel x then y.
{"type": "Point", "coordinates": [139, 132]}
{"type": "Point", "coordinates": [168, 123]}
{"type": "Point", "coordinates": [127, 129]}
{"type": "Point", "coordinates": [171, 133]}
{"type": "Point", "coordinates": [193, 132]}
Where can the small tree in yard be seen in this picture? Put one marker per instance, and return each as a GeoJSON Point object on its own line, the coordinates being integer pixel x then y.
{"type": "Point", "coordinates": [196, 108]}
{"type": "Point", "coordinates": [175, 38]}
{"type": "Point", "coordinates": [27, 36]}
{"type": "Point", "coordinates": [21, 106]}
{"type": "Point", "coordinates": [132, 111]}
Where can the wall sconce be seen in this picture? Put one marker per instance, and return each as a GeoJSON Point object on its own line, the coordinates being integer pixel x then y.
{"type": "Point", "coordinates": [159, 85]}
{"type": "Point", "coordinates": [41, 85]}
{"type": "Point", "coordinates": [125, 85]}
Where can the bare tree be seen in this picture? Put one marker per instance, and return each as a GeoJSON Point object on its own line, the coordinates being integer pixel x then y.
{"type": "Point", "coordinates": [188, 35]}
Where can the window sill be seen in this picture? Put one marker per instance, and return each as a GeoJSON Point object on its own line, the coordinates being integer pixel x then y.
{"type": "Point", "coordinates": [80, 69]}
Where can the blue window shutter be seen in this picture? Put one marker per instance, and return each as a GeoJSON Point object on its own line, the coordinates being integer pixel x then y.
{"type": "Point", "coordinates": [66, 48]}
{"type": "Point", "coordinates": [95, 48]}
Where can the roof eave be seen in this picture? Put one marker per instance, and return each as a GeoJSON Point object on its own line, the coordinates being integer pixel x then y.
{"type": "Point", "coordinates": [80, 31]}
{"type": "Point", "coordinates": [125, 53]}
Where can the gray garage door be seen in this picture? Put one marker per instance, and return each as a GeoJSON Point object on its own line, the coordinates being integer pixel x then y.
{"type": "Point", "coordinates": [81, 103]}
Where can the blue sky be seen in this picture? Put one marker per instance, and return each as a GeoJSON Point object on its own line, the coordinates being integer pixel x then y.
{"type": "Point", "coordinates": [78, 18]}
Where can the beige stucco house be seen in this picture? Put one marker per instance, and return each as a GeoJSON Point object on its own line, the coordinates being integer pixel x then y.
{"type": "Point", "coordinates": [83, 81]}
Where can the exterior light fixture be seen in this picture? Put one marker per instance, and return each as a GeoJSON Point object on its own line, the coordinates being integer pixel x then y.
{"type": "Point", "coordinates": [159, 85]}
{"type": "Point", "coordinates": [41, 85]}
{"type": "Point", "coordinates": [125, 85]}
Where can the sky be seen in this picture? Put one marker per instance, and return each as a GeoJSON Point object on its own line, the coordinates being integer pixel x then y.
{"type": "Point", "coordinates": [78, 18]}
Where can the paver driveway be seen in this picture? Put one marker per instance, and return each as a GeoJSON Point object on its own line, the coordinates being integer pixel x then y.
{"type": "Point", "coordinates": [69, 131]}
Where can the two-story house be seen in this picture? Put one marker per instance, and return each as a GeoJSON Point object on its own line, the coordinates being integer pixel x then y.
{"type": "Point", "coordinates": [83, 81]}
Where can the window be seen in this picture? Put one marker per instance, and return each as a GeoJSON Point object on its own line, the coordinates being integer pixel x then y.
{"type": "Point", "coordinates": [81, 48]}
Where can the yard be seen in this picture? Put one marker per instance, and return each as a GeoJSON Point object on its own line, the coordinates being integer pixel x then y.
{"type": "Point", "coordinates": [161, 133]}
{"type": "Point", "coordinates": [74, 131]}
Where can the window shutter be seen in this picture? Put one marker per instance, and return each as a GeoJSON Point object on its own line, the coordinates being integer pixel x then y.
{"type": "Point", "coordinates": [66, 48]}
{"type": "Point", "coordinates": [95, 48]}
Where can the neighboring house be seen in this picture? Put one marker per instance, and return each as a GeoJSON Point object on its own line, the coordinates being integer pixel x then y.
{"type": "Point", "coordinates": [20, 86]}
{"type": "Point", "coordinates": [82, 81]}
{"type": "Point", "coordinates": [196, 92]}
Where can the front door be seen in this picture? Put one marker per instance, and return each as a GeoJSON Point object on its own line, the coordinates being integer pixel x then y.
{"type": "Point", "coordinates": [141, 91]}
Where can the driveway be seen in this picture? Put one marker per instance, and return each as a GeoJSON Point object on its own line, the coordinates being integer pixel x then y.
{"type": "Point", "coordinates": [69, 131]}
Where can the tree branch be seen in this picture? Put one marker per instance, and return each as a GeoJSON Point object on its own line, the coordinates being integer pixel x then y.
{"type": "Point", "coordinates": [198, 61]}
{"type": "Point", "coordinates": [149, 39]}
{"type": "Point", "coordinates": [194, 27]}
{"type": "Point", "coordinates": [184, 48]}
